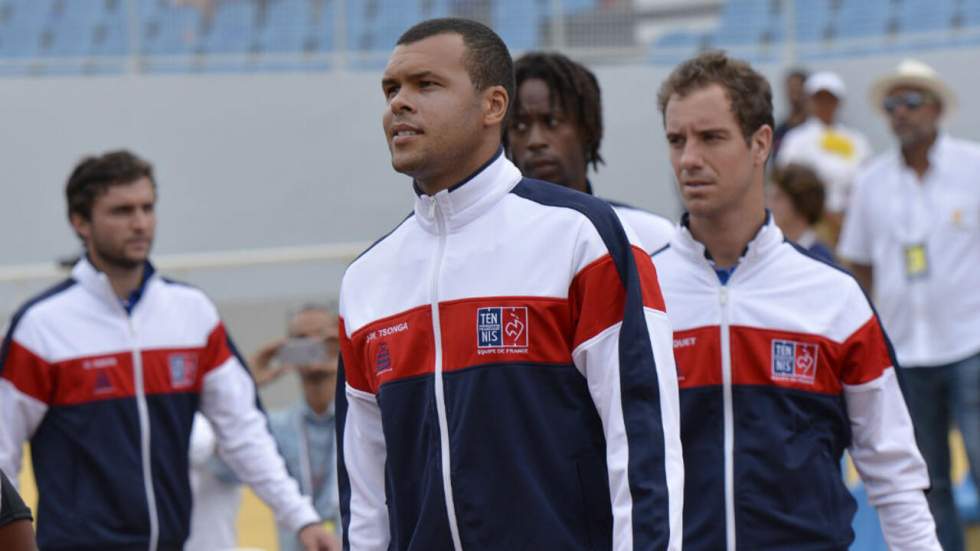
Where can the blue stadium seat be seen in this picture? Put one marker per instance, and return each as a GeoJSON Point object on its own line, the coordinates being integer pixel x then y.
{"type": "Point", "coordinates": [231, 29]}
{"type": "Point", "coordinates": [323, 32]}
{"type": "Point", "coordinates": [287, 24]}
{"type": "Point", "coordinates": [743, 22]}
{"type": "Point", "coordinates": [675, 46]}
{"type": "Point", "coordinates": [177, 31]}
{"type": "Point", "coordinates": [110, 40]}
{"type": "Point", "coordinates": [812, 19]}
{"type": "Point", "coordinates": [925, 16]}
{"type": "Point", "coordinates": [429, 9]}
{"type": "Point", "coordinates": [863, 18]}
{"type": "Point", "coordinates": [572, 6]}
{"type": "Point", "coordinates": [21, 37]}
{"type": "Point", "coordinates": [970, 9]}
{"type": "Point", "coordinates": [679, 39]}
{"type": "Point", "coordinates": [519, 23]}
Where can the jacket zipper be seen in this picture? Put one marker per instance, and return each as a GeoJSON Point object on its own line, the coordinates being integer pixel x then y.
{"type": "Point", "coordinates": [144, 418]}
{"type": "Point", "coordinates": [440, 391]}
{"type": "Point", "coordinates": [143, 413]}
{"type": "Point", "coordinates": [729, 419]}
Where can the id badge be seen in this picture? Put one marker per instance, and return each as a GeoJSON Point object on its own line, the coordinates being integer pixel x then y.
{"type": "Point", "coordinates": [916, 261]}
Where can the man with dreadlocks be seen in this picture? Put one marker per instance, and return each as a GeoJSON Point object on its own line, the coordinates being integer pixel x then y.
{"type": "Point", "coordinates": [556, 129]}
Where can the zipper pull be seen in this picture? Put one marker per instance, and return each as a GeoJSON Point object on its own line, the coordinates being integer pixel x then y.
{"type": "Point", "coordinates": [723, 295]}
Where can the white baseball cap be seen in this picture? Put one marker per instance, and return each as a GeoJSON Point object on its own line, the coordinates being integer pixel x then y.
{"type": "Point", "coordinates": [825, 81]}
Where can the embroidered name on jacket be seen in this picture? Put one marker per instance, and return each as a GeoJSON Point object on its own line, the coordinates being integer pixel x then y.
{"type": "Point", "coordinates": [794, 361]}
{"type": "Point", "coordinates": [501, 329]}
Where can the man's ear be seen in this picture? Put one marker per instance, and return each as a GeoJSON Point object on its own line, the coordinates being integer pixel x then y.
{"type": "Point", "coordinates": [81, 225]}
{"type": "Point", "coordinates": [495, 105]}
{"type": "Point", "coordinates": [762, 144]}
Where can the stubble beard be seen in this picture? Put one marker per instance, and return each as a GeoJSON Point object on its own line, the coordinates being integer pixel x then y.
{"type": "Point", "coordinates": [117, 259]}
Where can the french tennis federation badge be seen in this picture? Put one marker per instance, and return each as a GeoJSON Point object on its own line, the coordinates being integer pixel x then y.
{"type": "Point", "coordinates": [794, 361]}
{"type": "Point", "coordinates": [183, 367]}
{"type": "Point", "coordinates": [501, 328]}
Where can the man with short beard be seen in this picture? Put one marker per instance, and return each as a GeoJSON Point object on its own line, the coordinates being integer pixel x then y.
{"type": "Point", "coordinates": [912, 238]}
{"type": "Point", "coordinates": [103, 374]}
{"type": "Point", "coordinates": [507, 378]}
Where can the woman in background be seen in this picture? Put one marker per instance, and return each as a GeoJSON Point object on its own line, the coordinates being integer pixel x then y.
{"type": "Point", "coordinates": [796, 198]}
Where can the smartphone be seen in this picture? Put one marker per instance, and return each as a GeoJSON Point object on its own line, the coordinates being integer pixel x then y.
{"type": "Point", "coordinates": [304, 351]}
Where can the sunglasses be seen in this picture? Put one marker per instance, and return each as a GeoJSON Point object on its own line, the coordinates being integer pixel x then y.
{"type": "Point", "coordinates": [908, 100]}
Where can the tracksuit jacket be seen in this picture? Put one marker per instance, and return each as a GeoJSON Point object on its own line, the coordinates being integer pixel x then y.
{"type": "Point", "coordinates": [107, 398]}
{"type": "Point", "coordinates": [508, 382]}
{"type": "Point", "coordinates": [780, 370]}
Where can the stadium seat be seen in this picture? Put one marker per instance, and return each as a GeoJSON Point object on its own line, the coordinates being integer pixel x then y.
{"type": "Point", "coordinates": [812, 20]}
{"type": "Point", "coordinates": [231, 29]}
{"type": "Point", "coordinates": [286, 25]}
{"type": "Point", "coordinates": [924, 16]}
{"type": "Point", "coordinates": [858, 19]}
{"type": "Point", "coordinates": [519, 23]}
{"type": "Point", "coordinates": [743, 22]}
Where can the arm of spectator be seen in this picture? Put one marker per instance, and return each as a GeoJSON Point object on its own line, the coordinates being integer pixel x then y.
{"type": "Point", "coordinates": [264, 368]}
{"type": "Point", "coordinates": [25, 390]}
{"type": "Point", "coordinates": [228, 400]}
{"type": "Point", "coordinates": [361, 456]}
{"type": "Point", "coordinates": [16, 531]}
{"type": "Point", "coordinates": [883, 446]}
{"type": "Point", "coordinates": [623, 346]}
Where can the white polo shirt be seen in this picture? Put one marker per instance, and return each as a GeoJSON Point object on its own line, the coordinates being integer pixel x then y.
{"type": "Point", "coordinates": [922, 239]}
{"type": "Point", "coordinates": [835, 153]}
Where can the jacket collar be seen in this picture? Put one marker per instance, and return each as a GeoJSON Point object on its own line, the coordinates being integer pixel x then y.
{"type": "Point", "coordinates": [97, 283]}
{"type": "Point", "coordinates": [469, 199]}
{"type": "Point", "coordinates": [766, 240]}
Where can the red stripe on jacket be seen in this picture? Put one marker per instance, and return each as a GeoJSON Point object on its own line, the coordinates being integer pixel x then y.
{"type": "Point", "coordinates": [489, 330]}
{"type": "Point", "coordinates": [598, 298]}
{"type": "Point", "coordinates": [782, 358]}
{"type": "Point", "coordinates": [111, 375]}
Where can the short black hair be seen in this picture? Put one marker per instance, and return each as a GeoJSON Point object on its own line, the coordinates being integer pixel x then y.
{"type": "Point", "coordinates": [487, 58]}
{"type": "Point", "coordinates": [93, 175]}
{"type": "Point", "coordinates": [572, 86]}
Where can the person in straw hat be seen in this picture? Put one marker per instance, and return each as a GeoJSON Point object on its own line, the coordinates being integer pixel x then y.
{"type": "Point", "coordinates": [912, 237]}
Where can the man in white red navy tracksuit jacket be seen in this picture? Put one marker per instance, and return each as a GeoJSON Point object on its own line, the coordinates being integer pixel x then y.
{"type": "Point", "coordinates": [782, 363]}
{"type": "Point", "coordinates": [507, 379]}
{"type": "Point", "coordinates": [105, 388]}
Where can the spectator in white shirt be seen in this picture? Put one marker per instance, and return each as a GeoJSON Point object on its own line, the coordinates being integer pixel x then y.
{"type": "Point", "coordinates": [823, 143]}
{"type": "Point", "coordinates": [912, 237]}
